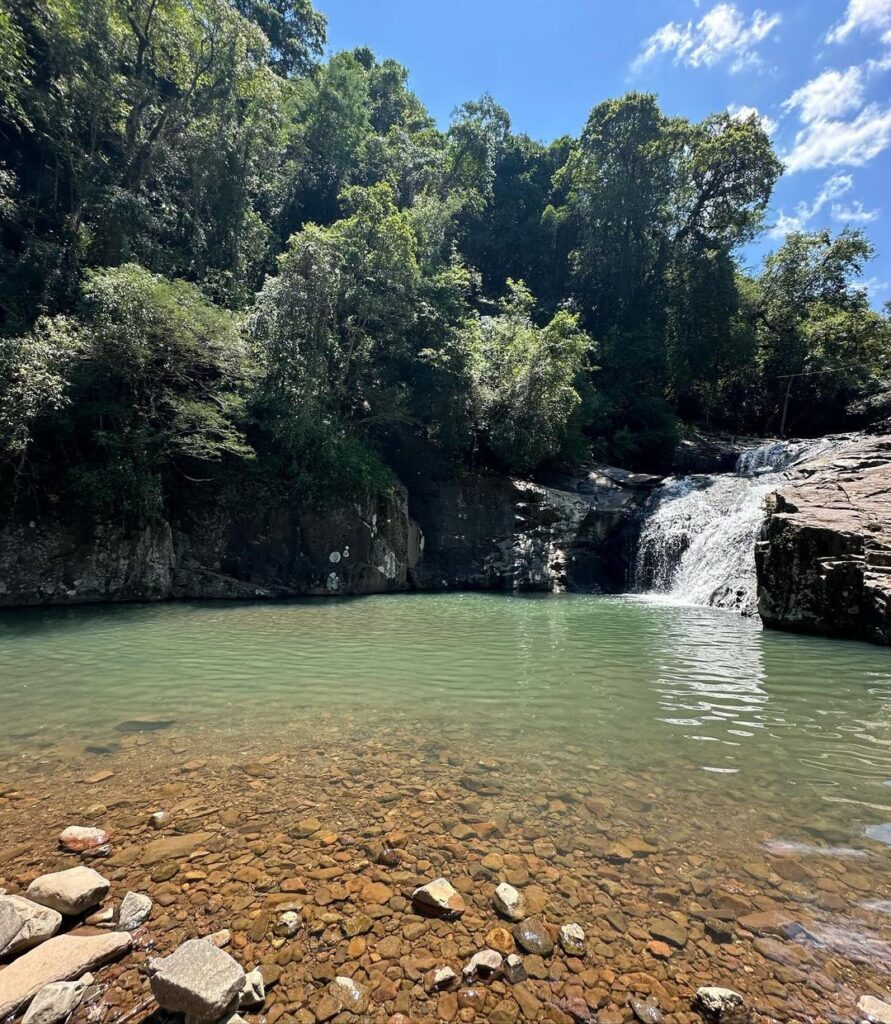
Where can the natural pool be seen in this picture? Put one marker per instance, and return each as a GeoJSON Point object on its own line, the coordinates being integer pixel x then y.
{"type": "Point", "coordinates": [631, 761]}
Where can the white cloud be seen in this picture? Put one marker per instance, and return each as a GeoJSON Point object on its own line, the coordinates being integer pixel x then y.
{"type": "Point", "coordinates": [834, 188]}
{"type": "Point", "coordinates": [744, 113]}
{"type": "Point", "coordinates": [873, 287]}
{"type": "Point", "coordinates": [860, 15]}
{"type": "Point", "coordinates": [829, 95]}
{"type": "Point", "coordinates": [722, 34]}
{"type": "Point", "coordinates": [833, 142]}
{"type": "Point", "coordinates": [853, 214]}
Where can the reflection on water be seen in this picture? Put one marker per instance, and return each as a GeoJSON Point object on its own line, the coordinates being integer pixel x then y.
{"type": "Point", "coordinates": [632, 683]}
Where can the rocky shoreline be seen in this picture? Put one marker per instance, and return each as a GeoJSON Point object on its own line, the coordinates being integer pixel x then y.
{"type": "Point", "coordinates": [380, 880]}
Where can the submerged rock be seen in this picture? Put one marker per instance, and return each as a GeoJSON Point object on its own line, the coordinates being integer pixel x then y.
{"type": "Point", "coordinates": [439, 897]}
{"type": "Point", "coordinates": [348, 994]}
{"type": "Point", "coordinates": [69, 892]}
{"type": "Point", "coordinates": [533, 936]}
{"type": "Point", "coordinates": [62, 958]}
{"type": "Point", "coordinates": [646, 1012]}
{"type": "Point", "coordinates": [442, 979]}
{"type": "Point", "coordinates": [57, 1001]}
{"type": "Point", "coordinates": [721, 1005]}
{"type": "Point", "coordinates": [572, 939]}
{"type": "Point", "coordinates": [24, 924]}
{"type": "Point", "coordinates": [482, 966]}
{"type": "Point", "coordinates": [198, 980]}
{"type": "Point", "coordinates": [509, 902]}
{"type": "Point", "coordinates": [514, 969]}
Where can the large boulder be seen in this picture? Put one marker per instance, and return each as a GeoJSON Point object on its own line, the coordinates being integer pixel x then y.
{"type": "Point", "coordinates": [69, 892]}
{"type": "Point", "coordinates": [199, 980]}
{"type": "Point", "coordinates": [62, 958]}
{"type": "Point", "coordinates": [24, 924]}
{"type": "Point", "coordinates": [824, 557]}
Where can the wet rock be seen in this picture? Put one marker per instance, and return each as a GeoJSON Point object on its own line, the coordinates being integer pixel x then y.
{"type": "Point", "coordinates": [69, 892]}
{"type": "Point", "coordinates": [669, 931]}
{"type": "Point", "coordinates": [514, 970]}
{"type": "Point", "coordinates": [24, 924]}
{"type": "Point", "coordinates": [62, 958]}
{"type": "Point", "coordinates": [822, 562]}
{"type": "Point", "coordinates": [77, 838]}
{"type": "Point", "coordinates": [198, 980]}
{"type": "Point", "coordinates": [721, 1005]}
{"type": "Point", "coordinates": [135, 910]}
{"type": "Point", "coordinates": [442, 979]}
{"type": "Point", "coordinates": [104, 916]}
{"type": "Point", "coordinates": [97, 852]}
{"type": "Point", "coordinates": [577, 1009]}
{"type": "Point", "coordinates": [57, 1001]}
{"type": "Point", "coordinates": [348, 994]}
{"type": "Point", "coordinates": [482, 966]}
{"type": "Point", "coordinates": [720, 931]}
{"type": "Point", "coordinates": [288, 924]}
{"type": "Point", "coordinates": [439, 897]}
{"type": "Point", "coordinates": [572, 940]}
{"type": "Point", "coordinates": [174, 848]}
{"type": "Point", "coordinates": [532, 936]}
{"type": "Point", "coordinates": [253, 991]}
{"type": "Point", "coordinates": [771, 922]}
{"type": "Point", "coordinates": [876, 1011]}
{"type": "Point", "coordinates": [359, 924]}
{"type": "Point", "coordinates": [646, 1012]}
{"type": "Point", "coordinates": [509, 902]}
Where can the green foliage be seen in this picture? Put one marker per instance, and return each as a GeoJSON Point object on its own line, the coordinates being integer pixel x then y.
{"type": "Point", "coordinates": [525, 380]}
{"type": "Point", "coordinates": [818, 338]}
{"type": "Point", "coordinates": [147, 385]}
{"type": "Point", "coordinates": [224, 260]}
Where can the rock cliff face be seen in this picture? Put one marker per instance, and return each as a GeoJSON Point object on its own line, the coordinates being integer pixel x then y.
{"type": "Point", "coordinates": [491, 533]}
{"type": "Point", "coordinates": [824, 558]}
{"type": "Point", "coordinates": [365, 548]}
{"type": "Point", "coordinates": [482, 532]}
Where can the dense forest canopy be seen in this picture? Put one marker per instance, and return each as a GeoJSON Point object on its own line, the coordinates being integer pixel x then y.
{"type": "Point", "coordinates": [223, 259]}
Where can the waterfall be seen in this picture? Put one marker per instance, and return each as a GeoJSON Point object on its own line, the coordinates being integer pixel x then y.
{"type": "Point", "coordinates": [697, 545]}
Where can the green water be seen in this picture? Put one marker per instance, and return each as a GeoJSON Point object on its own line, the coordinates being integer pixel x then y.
{"type": "Point", "coordinates": [632, 684]}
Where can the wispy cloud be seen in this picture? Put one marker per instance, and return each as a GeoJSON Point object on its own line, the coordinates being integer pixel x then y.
{"type": "Point", "coordinates": [853, 214]}
{"type": "Point", "coordinates": [723, 34]}
{"type": "Point", "coordinates": [833, 188]}
{"type": "Point", "coordinates": [860, 15]}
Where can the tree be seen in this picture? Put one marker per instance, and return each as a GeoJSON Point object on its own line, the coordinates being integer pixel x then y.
{"type": "Point", "coordinates": [141, 392]}
{"type": "Point", "coordinates": [525, 380]}
{"type": "Point", "coordinates": [818, 337]}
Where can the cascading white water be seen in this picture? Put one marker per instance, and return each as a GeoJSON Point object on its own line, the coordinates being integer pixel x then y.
{"type": "Point", "coordinates": [697, 545]}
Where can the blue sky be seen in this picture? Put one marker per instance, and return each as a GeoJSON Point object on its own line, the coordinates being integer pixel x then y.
{"type": "Point", "coordinates": [817, 71]}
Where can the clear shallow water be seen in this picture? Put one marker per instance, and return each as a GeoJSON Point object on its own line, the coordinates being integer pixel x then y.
{"type": "Point", "coordinates": [792, 721]}
{"type": "Point", "coordinates": [632, 755]}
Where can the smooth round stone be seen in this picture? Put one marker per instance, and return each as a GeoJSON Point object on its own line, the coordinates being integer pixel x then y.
{"type": "Point", "coordinates": [532, 936]}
